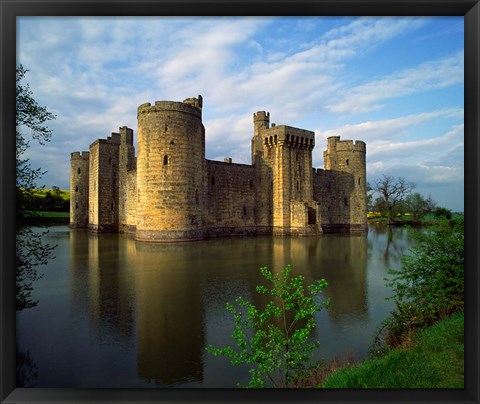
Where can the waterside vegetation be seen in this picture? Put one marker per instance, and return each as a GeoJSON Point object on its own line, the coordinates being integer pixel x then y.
{"type": "Point", "coordinates": [424, 332]}
{"type": "Point", "coordinates": [419, 363]}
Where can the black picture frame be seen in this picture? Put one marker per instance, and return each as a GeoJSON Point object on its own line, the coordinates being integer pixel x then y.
{"type": "Point", "coordinates": [11, 9]}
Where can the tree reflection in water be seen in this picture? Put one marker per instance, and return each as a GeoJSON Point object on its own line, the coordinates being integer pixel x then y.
{"type": "Point", "coordinates": [27, 370]}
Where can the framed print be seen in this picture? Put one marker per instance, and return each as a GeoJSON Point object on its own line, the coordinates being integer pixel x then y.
{"type": "Point", "coordinates": [192, 155]}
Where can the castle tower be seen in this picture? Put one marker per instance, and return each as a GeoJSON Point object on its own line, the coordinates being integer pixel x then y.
{"type": "Point", "coordinates": [171, 171]}
{"type": "Point", "coordinates": [104, 185]}
{"type": "Point", "coordinates": [261, 121]}
{"type": "Point", "coordinates": [79, 174]}
{"type": "Point", "coordinates": [347, 161]}
{"type": "Point", "coordinates": [126, 163]}
{"type": "Point", "coordinates": [286, 170]}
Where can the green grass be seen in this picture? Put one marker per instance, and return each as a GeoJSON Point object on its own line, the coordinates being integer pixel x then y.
{"type": "Point", "coordinates": [435, 360]}
{"type": "Point", "coordinates": [47, 215]}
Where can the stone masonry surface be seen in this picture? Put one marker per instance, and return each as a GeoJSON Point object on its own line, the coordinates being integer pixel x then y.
{"type": "Point", "coordinates": [171, 192]}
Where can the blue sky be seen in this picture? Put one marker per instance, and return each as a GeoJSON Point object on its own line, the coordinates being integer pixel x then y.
{"type": "Point", "coordinates": [395, 83]}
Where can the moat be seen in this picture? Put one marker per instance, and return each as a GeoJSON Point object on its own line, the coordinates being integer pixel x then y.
{"type": "Point", "coordinates": [114, 312]}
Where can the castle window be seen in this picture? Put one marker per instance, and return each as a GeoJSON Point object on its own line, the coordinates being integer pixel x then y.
{"type": "Point", "coordinates": [358, 181]}
{"type": "Point", "coordinates": [165, 160]}
{"type": "Point", "coordinates": [254, 211]}
{"type": "Point", "coordinates": [250, 182]}
{"type": "Point", "coordinates": [244, 211]}
{"type": "Point", "coordinates": [298, 185]}
{"type": "Point", "coordinates": [110, 161]}
{"type": "Point", "coordinates": [76, 205]}
{"type": "Point", "coordinates": [112, 206]}
{"type": "Point", "coordinates": [76, 188]}
{"type": "Point", "coordinates": [347, 162]}
{"type": "Point", "coordinates": [213, 180]}
{"type": "Point", "coordinates": [266, 140]}
{"type": "Point", "coordinates": [79, 171]}
{"type": "Point", "coordinates": [275, 139]}
{"type": "Point", "coordinates": [346, 202]}
{"type": "Point", "coordinates": [288, 138]}
{"type": "Point", "coordinates": [197, 199]}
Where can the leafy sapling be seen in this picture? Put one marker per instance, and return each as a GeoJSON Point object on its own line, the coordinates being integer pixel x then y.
{"type": "Point", "coordinates": [275, 340]}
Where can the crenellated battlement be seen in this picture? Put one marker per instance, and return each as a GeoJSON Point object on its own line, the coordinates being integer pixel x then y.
{"type": "Point", "coordinates": [320, 172]}
{"type": "Point", "coordinates": [84, 155]}
{"type": "Point", "coordinates": [126, 135]}
{"type": "Point", "coordinates": [360, 146]}
{"type": "Point", "coordinates": [171, 192]}
{"type": "Point", "coordinates": [334, 143]}
{"type": "Point", "coordinates": [114, 138]}
{"type": "Point", "coordinates": [191, 106]}
{"type": "Point", "coordinates": [288, 136]}
{"type": "Point", "coordinates": [196, 102]}
{"type": "Point", "coordinates": [261, 116]}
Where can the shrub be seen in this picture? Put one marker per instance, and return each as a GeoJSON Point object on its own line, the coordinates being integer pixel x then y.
{"type": "Point", "coordinates": [430, 283]}
{"type": "Point", "coordinates": [277, 339]}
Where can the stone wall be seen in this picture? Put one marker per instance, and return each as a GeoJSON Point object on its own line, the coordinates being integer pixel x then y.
{"type": "Point", "coordinates": [103, 186]}
{"type": "Point", "coordinates": [341, 188]}
{"type": "Point", "coordinates": [170, 192]}
{"type": "Point", "coordinates": [231, 190]}
{"type": "Point", "coordinates": [287, 153]}
{"type": "Point", "coordinates": [129, 225]}
{"type": "Point", "coordinates": [171, 171]}
{"type": "Point", "coordinates": [126, 163]}
{"type": "Point", "coordinates": [79, 197]}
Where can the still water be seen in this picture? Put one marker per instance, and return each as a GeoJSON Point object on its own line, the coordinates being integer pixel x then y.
{"type": "Point", "coordinates": [118, 313]}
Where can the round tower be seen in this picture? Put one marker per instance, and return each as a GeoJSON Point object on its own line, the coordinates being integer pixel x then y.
{"type": "Point", "coordinates": [261, 120]}
{"type": "Point", "coordinates": [347, 160]}
{"type": "Point", "coordinates": [79, 183]}
{"type": "Point", "coordinates": [171, 171]}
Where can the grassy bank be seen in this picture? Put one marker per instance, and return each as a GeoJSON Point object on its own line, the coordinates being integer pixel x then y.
{"type": "Point", "coordinates": [45, 218]}
{"type": "Point", "coordinates": [47, 215]}
{"type": "Point", "coordinates": [433, 359]}
{"type": "Point", "coordinates": [406, 219]}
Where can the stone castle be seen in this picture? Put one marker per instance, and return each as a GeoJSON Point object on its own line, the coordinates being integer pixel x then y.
{"type": "Point", "coordinates": [170, 192]}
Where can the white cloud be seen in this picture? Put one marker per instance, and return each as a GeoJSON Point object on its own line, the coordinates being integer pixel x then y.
{"type": "Point", "coordinates": [430, 163]}
{"type": "Point", "coordinates": [367, 32]}
{"type": "Point", "coordinates": [389, 128]}
{"type": "Point", "coordinates": [427, 76]}
{"type": "Point", "coordinates": [94, 72]}
{"type": "Point", "coordinates": [386, 149]}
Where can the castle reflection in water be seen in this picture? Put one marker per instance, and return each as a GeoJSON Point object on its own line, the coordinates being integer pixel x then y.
{"type": "Point", "coordinates": [161, 297]}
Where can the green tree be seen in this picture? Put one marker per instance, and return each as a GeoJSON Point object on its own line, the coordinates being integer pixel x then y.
{"type": "Point", "coordinates": [416, 204]}
{"type": "Point", "coordinates": [392, 193]}
{"type": "Point", "coordinates": [31, 251]}
{"type": "Point", "coordinates": [440, 212]}
{"type": "Point", "coordinates": [56, 190]}
{"type": "Point", "coordinates": [275, 340]}
{"type": "Point", "coordinates": [430, 283]}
